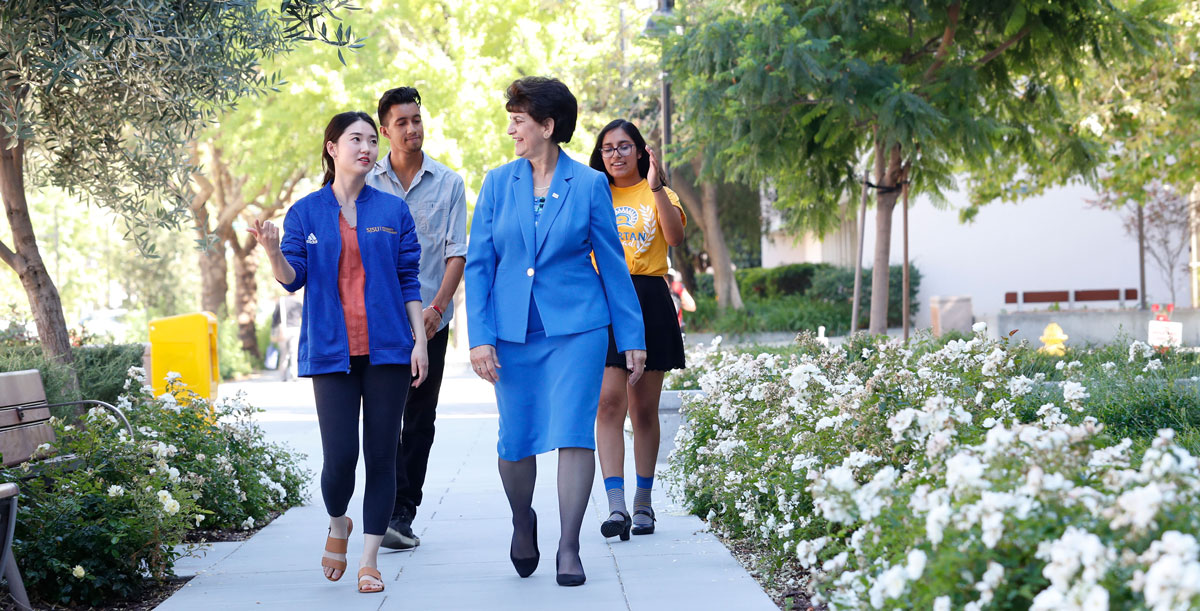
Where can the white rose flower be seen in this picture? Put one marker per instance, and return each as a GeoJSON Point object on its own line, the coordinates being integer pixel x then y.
{"type": "Point", "coordinates": [916, 562]}
{"type": "Point", "coordinates": [979, 327]}
{"type": "Point", "coordinates": [115, 491]}
{"type": "Point", "coordinates": [78, 572]}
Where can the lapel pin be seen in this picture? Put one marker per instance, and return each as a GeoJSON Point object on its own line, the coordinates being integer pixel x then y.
{"type": "Point", "coordinates": [555, 195]}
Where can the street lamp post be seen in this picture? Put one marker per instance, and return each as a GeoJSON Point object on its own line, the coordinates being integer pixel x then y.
{"type": "Point", "coordinates": [666, 8]}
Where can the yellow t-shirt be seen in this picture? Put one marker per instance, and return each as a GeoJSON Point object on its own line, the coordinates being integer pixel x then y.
{"type": "Point", "coordinates": [638, 227]}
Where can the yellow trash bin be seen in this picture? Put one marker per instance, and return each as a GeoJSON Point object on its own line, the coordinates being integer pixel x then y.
{"type": "Point", "coordinates": [186, 344]}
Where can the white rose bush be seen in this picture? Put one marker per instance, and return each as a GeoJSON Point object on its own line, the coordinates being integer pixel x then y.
{"type": "Point", "coordinates": [966, 475]}
{"type": "Point", "coordinates": [113, 515]}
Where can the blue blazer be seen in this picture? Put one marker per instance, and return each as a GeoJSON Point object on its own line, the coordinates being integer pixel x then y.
{"type": "Point", "coordinates": [387, 243]}
{"type": "Point", "coordinates": [509, 261]}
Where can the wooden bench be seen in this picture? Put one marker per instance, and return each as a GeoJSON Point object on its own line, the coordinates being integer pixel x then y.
{"type": "Point", "coordinates": [1070, 297]}
{"type": "Point", "coordinates": [24, 427]}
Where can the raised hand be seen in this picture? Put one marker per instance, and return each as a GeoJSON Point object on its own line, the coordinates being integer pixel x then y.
{"type": "Point", "coordinates": [655, 173]}
{"type": "Point", "coordinates": [266, 233]}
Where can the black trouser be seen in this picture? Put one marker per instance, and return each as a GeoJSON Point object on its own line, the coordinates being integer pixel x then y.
{"type": "Point", "coordinates": [412, 457]}
{"type": "Point", "coordinates": [381, 391]}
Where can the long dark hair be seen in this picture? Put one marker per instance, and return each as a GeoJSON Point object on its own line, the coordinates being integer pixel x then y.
{"type": "Point", "coordinates": [337, 126]}
{"type": "Point", "coordinates": [639, 143]}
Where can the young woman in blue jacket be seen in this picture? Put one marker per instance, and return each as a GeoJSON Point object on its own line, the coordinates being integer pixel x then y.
{"type": "Point", "coordinates": [355, 252]}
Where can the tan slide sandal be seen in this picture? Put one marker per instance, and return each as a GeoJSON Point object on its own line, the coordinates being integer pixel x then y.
{"type": "Point", "coordinates": [369, 587]}
{"type": "Point", "coordinates": [334, 545]}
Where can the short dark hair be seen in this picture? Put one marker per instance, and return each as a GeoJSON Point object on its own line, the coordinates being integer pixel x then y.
{"type": "Point", "coordinates": [643, 162]}
{"type": "Point", "coordinates": [334, 130]}
{"type": "Point", "coordinates": [545, 98]}
{"type": "Point", "coordinates": [396, 97]}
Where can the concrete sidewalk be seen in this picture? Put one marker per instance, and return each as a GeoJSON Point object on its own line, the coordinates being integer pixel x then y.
{"type": "Point", "coordinates": [464, 525]}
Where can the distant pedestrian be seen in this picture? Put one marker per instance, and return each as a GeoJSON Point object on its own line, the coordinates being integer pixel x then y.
{"type": "Point", "coordinates": [437, 199]}
{"type": "Point", "coordinates": [355, 251]}
{"type": "Point", "coordinates": [285, 324]}
{"type": "Point", "coordinates": [649, 218]}
{"type": "Point", "coordinates": [680, 295]}
{"type": "Point", "coordinates": [539, 312]}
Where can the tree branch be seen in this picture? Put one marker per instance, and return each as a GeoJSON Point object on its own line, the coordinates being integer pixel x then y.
{"type": "Point", "coordinates": [939, 59]}
{"type": "Point", "coordinates": [206, 190]}
{"type": "Point", "coordinates": [15, 261]}
{"type": "Point", "coordinates": [1004, 47]}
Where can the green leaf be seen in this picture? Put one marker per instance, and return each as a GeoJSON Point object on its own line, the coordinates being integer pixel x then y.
{"type": "Point", "coordinates": [1016, 21]}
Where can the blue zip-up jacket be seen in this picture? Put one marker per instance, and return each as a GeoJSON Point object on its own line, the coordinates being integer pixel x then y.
{"type": "Point", "coordinates": [391, 255]}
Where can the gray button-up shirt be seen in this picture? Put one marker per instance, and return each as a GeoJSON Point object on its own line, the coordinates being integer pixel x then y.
{"type": "Point", "coordinates": [438, 202]}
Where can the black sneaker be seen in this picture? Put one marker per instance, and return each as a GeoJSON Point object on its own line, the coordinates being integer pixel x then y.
{"type": "Point", "coordinates": [399, 534]}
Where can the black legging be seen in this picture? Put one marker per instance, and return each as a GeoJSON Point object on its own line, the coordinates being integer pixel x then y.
{"type": "Point", "coordinates": [381, 390]}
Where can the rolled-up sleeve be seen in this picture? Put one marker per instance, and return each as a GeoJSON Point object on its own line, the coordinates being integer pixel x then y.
{"type": "Point", "coordinates": [481, 270]}
{"type": "Point", "coordinates": [408, 260]}
{"type": "Point", "coordinates": [295, 251]}
{"type": "Point", "coordinates": [456, 230]}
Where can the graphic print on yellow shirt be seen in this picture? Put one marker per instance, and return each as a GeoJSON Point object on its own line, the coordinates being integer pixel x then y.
{"type": "Point", "coordinates": [639, 229]}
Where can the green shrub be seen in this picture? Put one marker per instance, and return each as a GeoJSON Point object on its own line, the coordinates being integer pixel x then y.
{"type": "Point", "coordinates": [836, 284]}
{"type": "Point", "coordinates": [56, 378]}
{"type": "Point", "coordinates": [793, 279]}
{"type": "Point", "coordinates": [232, 360]}
{"type": "Point", "coordinates": [94, 529]}
{"type": "Point", "coordinates": [211, 460]}
{"type": "Point", "coordinates": [793, 313]}
{"type": "Point", "coordinates": [102, 369]}
{"type": "Point", "coordinates": [934, 474]}
{"type": "Point", "coordinates": [242, 478]}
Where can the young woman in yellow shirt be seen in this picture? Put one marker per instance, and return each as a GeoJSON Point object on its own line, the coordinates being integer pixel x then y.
{"type": "Point", "coordinates": [649, 218]}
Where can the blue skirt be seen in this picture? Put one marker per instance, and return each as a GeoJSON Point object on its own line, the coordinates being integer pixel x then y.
{"type": "Point", "coordinates": [548, 390]}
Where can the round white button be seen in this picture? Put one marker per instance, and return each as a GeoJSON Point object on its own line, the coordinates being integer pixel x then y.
{"type": "Point", "coordinates": [529, 272]}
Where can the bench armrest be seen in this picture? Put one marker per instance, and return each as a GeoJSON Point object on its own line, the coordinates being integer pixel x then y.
{"type": "Point", "coordinates": [112, 408]}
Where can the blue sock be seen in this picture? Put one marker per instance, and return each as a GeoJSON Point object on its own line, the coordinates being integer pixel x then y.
{"type": "Point", "coordinates": [641, 500]}
{"type": "Point", "coordinates": [614, 487]}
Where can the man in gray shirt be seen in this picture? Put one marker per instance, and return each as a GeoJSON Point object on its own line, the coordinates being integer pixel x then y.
{"type": "Point", "coordinates": [436, 197]}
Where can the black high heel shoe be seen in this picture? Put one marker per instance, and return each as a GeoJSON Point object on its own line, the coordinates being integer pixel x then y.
{"type": "Point", "coordinates": [649, 528]}
{"type": "Point", "coordinates": [526, 566]}
{"type": "Point", "coordinates": [613, 527]}
{"type": "Point", "coordinates": [569, 579]}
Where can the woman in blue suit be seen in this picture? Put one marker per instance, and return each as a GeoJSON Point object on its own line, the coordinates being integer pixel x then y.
{"type": "Point", "coordinates": [538, 312]}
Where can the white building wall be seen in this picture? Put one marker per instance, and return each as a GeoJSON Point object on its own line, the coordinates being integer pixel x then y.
{"type": "Point", "coordinates": [1054, 241]}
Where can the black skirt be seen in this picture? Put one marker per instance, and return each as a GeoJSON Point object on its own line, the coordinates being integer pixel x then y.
{"type": "Point", "coordinates": [664, 342]}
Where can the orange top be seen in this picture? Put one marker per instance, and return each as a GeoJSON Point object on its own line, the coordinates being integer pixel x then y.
{"type": "Point", "coordinates": [351, 284]}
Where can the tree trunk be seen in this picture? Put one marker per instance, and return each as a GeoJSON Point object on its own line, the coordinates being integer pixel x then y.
{"type": "Point", "coordinates": [214, 285]}
{"type": "Point", "coordinates": [724, 282]}
{"type": "Point", "coordinates": [683, 262]}
{"type": "Point", "coordinates": [887, 177]}
{"type": "Point", "coordinates": [703, 210]}
{"type": "Point", "coordinates": [245, 293]}
{"type": "Point", "coordinates": [26, 261]}
{"type": "Point", "coordinates": [213, 269]}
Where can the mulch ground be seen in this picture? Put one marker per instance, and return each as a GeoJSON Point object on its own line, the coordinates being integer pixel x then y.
{"type": "Point", "coordinates": [784, 586]}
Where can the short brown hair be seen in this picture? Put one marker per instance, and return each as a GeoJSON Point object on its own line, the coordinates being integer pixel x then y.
{"type": "Point", "coordinates": [545, 98]}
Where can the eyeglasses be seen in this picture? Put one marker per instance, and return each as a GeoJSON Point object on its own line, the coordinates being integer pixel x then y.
{"type": "Point", "coordinates": [624, 150]}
